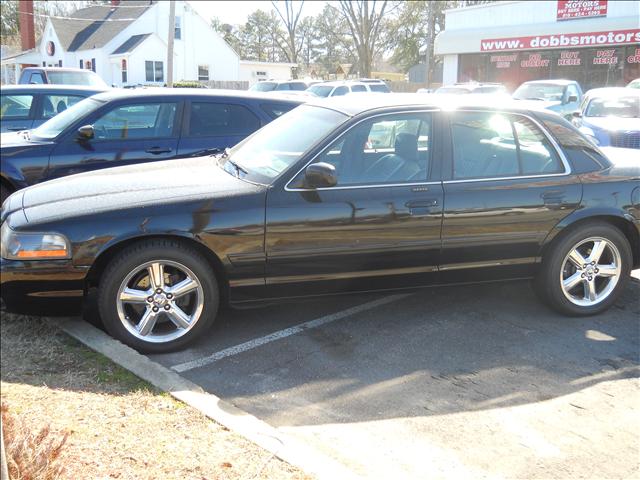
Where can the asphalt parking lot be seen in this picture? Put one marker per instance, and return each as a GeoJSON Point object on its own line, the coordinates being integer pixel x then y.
{"type": "Point", "coordinates": [478, 381]}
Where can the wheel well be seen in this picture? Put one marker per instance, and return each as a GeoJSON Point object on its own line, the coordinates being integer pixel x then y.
{"type": "Point", "coordinates": [95, 272]}
{"type": "Point", "coordinates": [625, 226]}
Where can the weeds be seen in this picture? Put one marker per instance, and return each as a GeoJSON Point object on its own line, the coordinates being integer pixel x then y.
{"type": "Point", "coordinates": [31, 456]}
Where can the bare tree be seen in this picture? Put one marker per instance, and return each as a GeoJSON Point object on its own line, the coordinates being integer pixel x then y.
{"type": "Point", "coordinates": [291, 17]}
{"type": "Point", "coordinates": [365, 20]}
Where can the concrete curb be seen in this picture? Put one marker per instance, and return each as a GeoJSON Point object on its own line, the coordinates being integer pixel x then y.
{"type": "Point", "coordinates": [262, 434]}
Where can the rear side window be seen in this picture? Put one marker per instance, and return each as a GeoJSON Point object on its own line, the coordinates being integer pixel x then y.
{"type": "Point", "coordinates": [494, 145]}
{"type": "Point", "coordinates": [220, 119]}
{"type": "Point", "coordinates": [283, 86]}
{"type": "Point", "coordinates": [36, 78]}
{"type": "Point", "coordinates": [55, 104]}
{"type": "Point", "coordinates": [274, 110]}
{"type": "Point", "coordinates": [379, 87]}
{"type": "Point", "coordinates": [15, 107]}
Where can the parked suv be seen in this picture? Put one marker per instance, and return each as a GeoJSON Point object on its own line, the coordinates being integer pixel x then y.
{"type": "Point", "coordinates": [334, 89]}
{"type": "Point", "coordinates": [561, 96]}
{"type": "Point", "coordinates": [271, 86]}
{"type": "Point", "coordinates": [28, 106]}
{"type": "Point", "coordinates": [121, 127]}
{"type": "Point", "coordinates": [61, 76]}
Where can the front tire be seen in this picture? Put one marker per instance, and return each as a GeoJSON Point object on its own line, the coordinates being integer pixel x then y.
{"type": "Point", "coordinates": [158, 296]}
{"type": "Point", "coordinates": [585, 270]}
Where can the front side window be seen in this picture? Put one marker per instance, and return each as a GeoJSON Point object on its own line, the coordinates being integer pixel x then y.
{"type": "Point", "coordinates": [572, 90]}
{"type": "Point", "coordinates": [494, 145]}
{"type": "Point", "coordinates": [283, 86]}
{"type": "Point", "coordinates": [274, 110]}
{"type": "Point", "coordinates": [154, 71]}
{"type": "Point", "coordinates": [58, 124]}
{"type": "Point", "coordinates": [52, 105]}
{"type": "Point", "coordinates": [379, 87]}
{"type": "Point", "coordinates": [320, 90]}
{"type": "Point", "coordinates": [219, 119]}
{"type": "Point", "coordinates": [203, 73]}
{"type": "Point", "coordinates": [15, 107]}
{"type": "Point", "coordinates": [275, 147]}
{"type": "Point", "coordinates": [358, 88]}
{"type": "Point", "coordinates": [387, 150]}
{"type": "Point", "coordinates": [147, 120]}
{"type": "Point", "coordinates": [340, 91]}
{"type": "Point", "coordinates": [263, 87]}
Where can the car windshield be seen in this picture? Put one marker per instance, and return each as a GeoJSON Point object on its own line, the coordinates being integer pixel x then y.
{"type": "Point", "coordinates": [75, 78]}
{"type": "Point", "coordinates": [264, 87]}
{"type": "Point", "coordinates": [378, 87]}
{"type": "Point", "coordinates": [54, 127]}
{"type": "Point", "coordinates": [626, 107]}
{"type": "Point", "coordinates": [453, 90]}
{"type": "Point", "coordinates": [272, 149]}
{"type": "Point", "coordinates": [539, 91]}
{"type": "Point", "coordinates": [320, 90]}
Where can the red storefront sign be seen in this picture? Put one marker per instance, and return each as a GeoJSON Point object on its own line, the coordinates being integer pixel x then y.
{"type": "Point", "coordinates": [586, 39]}
{"type": "Point", "coordinates": [569, 59]}
{"type": "Point", "coordinates": [570, 9]}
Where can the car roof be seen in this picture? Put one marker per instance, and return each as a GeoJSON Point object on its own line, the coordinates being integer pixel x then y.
{"type": "Point", "coordinates": [352, 105]}
{"type": "Point", "coordinates": [552, 81]}
{"type": "Point", "coordinates": [59, 69]}
{"type": "Point", "coordinates": [153, 92]}
{"type": "Point", "coordinates": [50, 87]}
{"type": "Point", "coordinates": [613, 92]}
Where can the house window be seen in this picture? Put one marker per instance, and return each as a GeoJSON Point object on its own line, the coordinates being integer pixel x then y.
{"type": "Point", "coordinates": [81, 64]}
{"type": "Point", "coordinates": [93, 65]}
{"type": "Point", "coordinates": [203, 72]}
{"type": "Point", "coordinates": [178, 28]}
{"type": "Point", "coordinates": [261, 74]}
{"type": "Point", "coordinates": [154, 71]}
{"type": "Point", "coordinates": [123, 66]}
{"type": "Point", "coordinates": [59, 63]}
{"type": "Point", "coordinates": [87, 65]}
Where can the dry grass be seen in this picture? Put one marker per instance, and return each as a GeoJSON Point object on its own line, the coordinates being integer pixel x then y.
{"type": "Point", "coordinates": [117, 425]}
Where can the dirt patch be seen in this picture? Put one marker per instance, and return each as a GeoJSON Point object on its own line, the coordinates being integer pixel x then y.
{"type": "Point", "coordinates": [119, 426]}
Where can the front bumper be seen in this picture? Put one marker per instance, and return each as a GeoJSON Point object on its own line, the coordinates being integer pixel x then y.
{"type": "Point", "coordinates": [28, 287]}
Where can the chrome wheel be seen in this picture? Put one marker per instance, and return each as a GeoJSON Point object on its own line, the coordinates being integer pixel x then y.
{"type": "Point", "coordinates": [590, 271]}
{"type": "Point", "coordinates": [160, 301]}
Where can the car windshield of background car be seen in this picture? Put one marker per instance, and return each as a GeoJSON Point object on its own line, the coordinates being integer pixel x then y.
{"type": "Point", "coordinates": [54, 127]}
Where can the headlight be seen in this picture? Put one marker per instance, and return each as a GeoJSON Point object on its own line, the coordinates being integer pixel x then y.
{"type": "Point", "coordinates": [33, 246]}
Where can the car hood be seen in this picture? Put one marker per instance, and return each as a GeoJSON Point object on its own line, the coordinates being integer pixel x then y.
{"type": "Point", "coordinates": [612, 123]}
{"type": "Point", "coordinates": [140, 185]}
{"type": "Point", "coordinates": [625, 162]}
{"type": "Point", "coordinates": [19, 139]}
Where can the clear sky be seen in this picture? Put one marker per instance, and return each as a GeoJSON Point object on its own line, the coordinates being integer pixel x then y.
{"type": "Point", "coordinates": [236, 12]}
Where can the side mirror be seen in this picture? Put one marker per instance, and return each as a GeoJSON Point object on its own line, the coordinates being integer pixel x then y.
{"type": "Point", "coordinates": [577, 114]}
{"type": "Point", "coordinates": [318, 175]}
{"type": "Point", "coordinates": [86, 132]}
{"type": "Point", "coordinates": [572, 99]}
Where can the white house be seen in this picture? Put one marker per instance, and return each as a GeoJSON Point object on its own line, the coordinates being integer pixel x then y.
{"type": "Point", "coordinates": [254, 72]}
{"type": "Point", "coordinates": [126, 44]}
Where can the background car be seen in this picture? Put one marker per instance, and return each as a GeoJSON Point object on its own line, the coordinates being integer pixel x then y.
{"type": "Point", "coordinates": [306, 207]}
{"type": "Point", "coordinates": [120, 127]}
{"type": "Point", "coordinates": [634, 83]}
{"type": "Point", "coordinates": [60, 76]}
{"type": "Point", "coordinates": [560, 96]}
{"type": "Point", "coordinates": [27, 106]}
{"type": "Point", "coordinates": [278, 86]}
{"type": "Point", "coordinates": [344, 87]}
{"type": "Point", "coordinates": [611, 117]}
{"type": "Point", "coordinates": [472, 88]}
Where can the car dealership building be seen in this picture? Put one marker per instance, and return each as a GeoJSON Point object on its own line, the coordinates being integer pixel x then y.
{"type": "Point", "coordinates": [596, 42]}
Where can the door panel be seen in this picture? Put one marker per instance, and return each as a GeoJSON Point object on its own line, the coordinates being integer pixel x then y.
{"type": "Point", "coordinates": [125, 134]}
{"type": "Point", "coordinates": [379, 227]}
{"type": "Point", "coordinates": [501, 222]}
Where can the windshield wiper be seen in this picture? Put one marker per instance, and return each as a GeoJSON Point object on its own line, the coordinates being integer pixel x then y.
{"type": "Point", "coordinates": [238, 168]}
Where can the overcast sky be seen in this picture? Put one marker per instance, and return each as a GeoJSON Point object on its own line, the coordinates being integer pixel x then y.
{"type": "Point", "coordinates": [236, 13]}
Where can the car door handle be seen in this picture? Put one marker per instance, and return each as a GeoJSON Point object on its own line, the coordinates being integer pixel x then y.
{"type": "Point", "coordinates": [157, 150]}
{"type": "Point", "coordinates": [421, 207]}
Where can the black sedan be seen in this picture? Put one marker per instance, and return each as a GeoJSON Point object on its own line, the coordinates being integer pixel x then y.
{"type": "Point", "coordinates": [308, 205]}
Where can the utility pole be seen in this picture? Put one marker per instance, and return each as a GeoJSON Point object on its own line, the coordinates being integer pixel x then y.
{"type": "Point", "coordinates": [172, 27]}
{"type": "Point", "coordinates": [429, 42]}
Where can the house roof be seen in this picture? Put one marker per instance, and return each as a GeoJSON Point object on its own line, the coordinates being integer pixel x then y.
{"type": "Point", "coordinates": [94, 26]}
{"type": "Point", "coordinates": [130, 44]}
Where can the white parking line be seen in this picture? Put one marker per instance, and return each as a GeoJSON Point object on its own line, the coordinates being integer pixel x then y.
{"type": "Point", "coordinates": [257, 342]}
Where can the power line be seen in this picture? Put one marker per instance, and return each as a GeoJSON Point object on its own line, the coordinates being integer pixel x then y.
{"type": "Point", "coordinates": [81, 19]}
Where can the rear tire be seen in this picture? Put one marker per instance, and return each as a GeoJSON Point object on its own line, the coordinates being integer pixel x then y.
{"type": "Point", "coordinates": [585, 271]}
{"type": "Point", "coordinates": [158, 296]}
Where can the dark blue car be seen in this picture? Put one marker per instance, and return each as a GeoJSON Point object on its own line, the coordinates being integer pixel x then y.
{"type": "Point", "coordinates": [122, 127]}
{"type": "Point", "coordinates": [28, 106]}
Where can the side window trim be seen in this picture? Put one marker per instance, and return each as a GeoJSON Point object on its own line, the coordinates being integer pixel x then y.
{"type": "Point", "coordinates": [552, 141]}
{"type": "Point", "coordinates": [435, 115]}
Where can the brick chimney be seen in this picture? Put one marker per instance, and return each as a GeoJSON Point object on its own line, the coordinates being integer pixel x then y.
{"type": "Point", "coordinates": [27, 30]}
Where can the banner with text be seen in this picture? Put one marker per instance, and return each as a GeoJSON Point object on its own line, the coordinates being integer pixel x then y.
{"type": "Point", "coordinates": [572, 9]}
{"type": "Point", "coordinates": [586, 39]}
